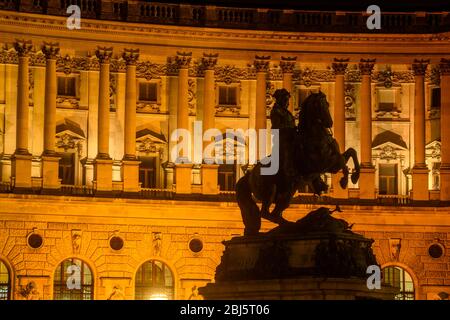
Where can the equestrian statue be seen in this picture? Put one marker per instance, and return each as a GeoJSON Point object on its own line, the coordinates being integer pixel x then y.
{"type": "Point", "coordinates": [306, 152]}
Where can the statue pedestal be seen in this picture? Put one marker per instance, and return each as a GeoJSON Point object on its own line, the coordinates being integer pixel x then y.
{"type": "Point", "coordinates": [318, 257]}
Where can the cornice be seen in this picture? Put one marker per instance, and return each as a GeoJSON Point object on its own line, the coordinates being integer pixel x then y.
{"type": "Point", "coordinates": [29, 20]}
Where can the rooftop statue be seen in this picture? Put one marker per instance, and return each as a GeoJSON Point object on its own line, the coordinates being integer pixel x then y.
{"type": "Point", "coordinates": [306, 152]}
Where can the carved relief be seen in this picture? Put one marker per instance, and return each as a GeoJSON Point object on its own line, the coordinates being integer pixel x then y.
{"type": "Point", "coordinates": [309, 76]}
{"type": "Point", "coordinates": [192, 96]}
{"type": "Point", "coordinates": [270, 89]}
{"type": "Point", "coordinates": [230, 74]}
{"type": "Point", "coordinates": [388, 153]}
{"type": "Point", "coordinates": [149, 70]}
{"type": "Point", "coordinates": [117, 293]}
{"type": "Point", "coordinates": [147, 146]}
{"type": "Point", "coordinates": [30, 291]}
{"type": "Point", "coordinates": [112, 92]}
{"type": "Point", "coordinates": [275, 74]}
{"type": "Point", "coordinates": [350, 94]}
{"type": "Point", "coordinates": [31, 87]}
{"type": "Point", "coordinates": [395, 246]}
{"type": "Point", "coordinates": [76, 241]}
{"type": "Point", "coordinates": [66, 141]}
{"type": "Point", "coordinates": [157, 243]}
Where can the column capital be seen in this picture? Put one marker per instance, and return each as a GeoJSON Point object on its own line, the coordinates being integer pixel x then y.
{"type": "Point", "coordinates": [50, 50]}
{"type": "Point", "coordinates": [287, 64]}
{"type": "Point", "coordinates": [444, 67]}
{"type": "Point", "coordinates": [340, 65]}
{"type": "Point", "coordinates": [104, 54]}
{"type": "Point", "coordinates": [420, 66]}
{"type": "Point", "coordinates": [23, 47]}
{"type": "Point", "coordinates": [183, 59]}
{"type": "Point", "coordinates": [261, 63]}
{"type": "Point", "coordinates": [366, 66]}
{"type": "Point", "coordinates": [131, 56]}
{"type": "Point", "coordinates": [209, 60]}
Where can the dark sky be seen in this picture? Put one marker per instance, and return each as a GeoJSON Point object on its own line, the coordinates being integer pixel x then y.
{"type": "Point", "coordinates": [358, 5]}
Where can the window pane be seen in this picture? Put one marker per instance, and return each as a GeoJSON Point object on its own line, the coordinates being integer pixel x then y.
{"type": "Point", "coordinates": [222, 95]}
{"type": "Point", "coordinates": [161, 287]}
{"type": "Point", "coordinates": [148, 92]}
{"type": "Point", "coordinates": [60, 289]}
{"type": "Point", "coordinates": [436, 98]}
{"type": "Point", "coordinates": [399, 278]}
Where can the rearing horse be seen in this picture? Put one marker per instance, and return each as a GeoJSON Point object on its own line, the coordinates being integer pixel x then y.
{"type": "Point", "coordinates": [314, 152]}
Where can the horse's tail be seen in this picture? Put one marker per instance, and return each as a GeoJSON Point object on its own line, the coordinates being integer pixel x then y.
{"type": "Point", "coordinates": [251, 215]}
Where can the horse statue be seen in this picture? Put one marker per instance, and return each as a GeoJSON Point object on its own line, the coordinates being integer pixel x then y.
{"type": "Point", "coordinates": [306, 152]}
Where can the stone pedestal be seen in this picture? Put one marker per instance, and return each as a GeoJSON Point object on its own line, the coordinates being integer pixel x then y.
{"type": "Point", "coordinates": [317, 257]}
{"type": "Point", "coordinates": [367, 183]}
{"type": "Point", "coordinates": [210, 178]}
{"type": "Point", "coordinates": [130, 176]}
{"type": "Point", "coordinates": [338, 192]}
{"type": "Point", "coordinates": [50, 177]}
{"type": "Point", "coordinates": [420, 184]}
{"type": "Point", "coordinates": [103, 175]}
{"type": "Point", "coordinates": [21, 171]}
{"type": "Point", "coordinates": [183, 178]}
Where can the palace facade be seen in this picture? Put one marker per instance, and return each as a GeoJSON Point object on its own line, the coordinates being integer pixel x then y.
{"type": "Point", "coordinates": [86, 117]}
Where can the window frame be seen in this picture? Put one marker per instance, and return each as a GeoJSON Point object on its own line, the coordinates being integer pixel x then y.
{"type": "Point", "coordinates": [75, 80]}
{"type": "Point", "coordinates": [403, 291]}
{"type": "Point", "coordinates": [62, 281]}
{"type": "Point", "coordinates": [148, 288]}
{"type": "Point", "coordinates": [7, 285]}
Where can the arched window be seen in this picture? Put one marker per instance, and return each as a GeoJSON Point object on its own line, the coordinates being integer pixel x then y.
{"type": "Point", "coordinates": [73, 281]}
{"type": "Point", "coordinates": [5, 284]}
{"type": "Point", "coordinates": [154, 281]}
{"type": "Point", "coordinates": [401, 279]}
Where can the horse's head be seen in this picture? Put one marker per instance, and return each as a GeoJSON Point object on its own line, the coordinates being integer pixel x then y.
{"type": "Point", "coordinates": [315, 110]}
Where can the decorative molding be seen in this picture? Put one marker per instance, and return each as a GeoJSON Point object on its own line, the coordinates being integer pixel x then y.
{"type": "Point", "coordinates": [157, 243]}
{"type": "Point", "coordinates": [366, 66]}
{"type": "Point", "coordinates": [118, 65]}
{"type": "Point", "coordinates": [444, 67]}
{"type": "Point", "coordinates": [350, 102]}
{"type": "Point", "coordinates": [287, 64]}
{"type": "Point", "coordinates": [112, 92]}
{"type": "Point", "coordinates": [270, 100]}
{"type": "Point", "coordinates": [76, 241]}
{"type": "Point", "coordinates": [309, 76]}
{"type": "Point", "coordinates": [23, 47]}
{"type": "Point", "coordinates": [340, 65]}
{"type": "Point", "coordinates": [209, 60]}
{"type": "Point", "coordinates": [104, 54]}
{"type": "Point", "coordinates": [149, 70]}
{"type": "Point", "coordinates": [50, 50]}
{"type": "Point", "coordinates": [183, 59]}
{"type": "Point", "coordinates": [275, 74]}
{"type": "Point", "coordinates": [388, 152]}
{"type": "Point", "coordinates": [192, 95]}
{"type": "Point", "coordinates": [131, 56]}
{"type": "Point", "coordinates": [67, 141]}
{"type": "Point", "coordinates": [394, 248]}
{"type": "Point", "coordinates": [433, 75]}
{"type": "Point", "coordinates": [30, 88]}
{"type": "Point", "coordinates": [230, 74]}
{"type": "Point", "coordinates": [67, 102]}
{"type": "Point", "coordinates": [261, 63]}
{"type": "Point", "coordinates": [419, 66]}
{"type": "Point", "coordinates": [433, 150]}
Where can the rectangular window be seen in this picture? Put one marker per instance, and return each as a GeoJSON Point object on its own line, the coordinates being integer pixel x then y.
{"type": "Point", "coordinates": [227, 177]}
{"type": "Point", "coordinates": [148, 91]}
{"type": "Point", "coordinates": [388, 182]}
{"type": "Point", "coordinates": [66, 86]}
{"type": "Point", "coordinates": [227, 96]}
{"type": "Point", "coordinates": [387, 101]}
{"type": "Point", "coordinates": [147, 172]}
{"type": "Point", "coordinates": [436, 98]}
{"type": "Point", "coordinates": [67, 168]}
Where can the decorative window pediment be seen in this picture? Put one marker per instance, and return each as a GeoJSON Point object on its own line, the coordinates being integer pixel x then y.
{"type": "Point", "coordinates": [69, 135]}
{"type": "Point", "coordinates": [148, 141]}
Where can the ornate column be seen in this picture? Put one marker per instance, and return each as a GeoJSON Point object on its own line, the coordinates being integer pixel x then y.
{"type": "Point", "coordinates": [103, 162]}
{"type": "Point", "coordinates": [420, 170]}
{"type": "Point", "coordinates": [130, 165]}
{"type": "Point", "coordinates": [287, 65]}
{"type": "Point", "coordinates": [339, 67]}
{"type": "Point", "coordinates": [21, 159]}
{"type": "Point", "coordinates": [445, 129]}
{"type": "Point", "coordinates": [367, 176]}
{"type": "Point", "coordinates": [50, 161]}
{"type": "Point", "coordinates": [209, 171]}
{"type": "Point", "coordinates": [262, 66]}
{"type": "Point", "coordinates": [183, 170]}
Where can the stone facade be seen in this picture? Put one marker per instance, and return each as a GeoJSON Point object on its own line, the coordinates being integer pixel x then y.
{"type": "Point", "coordinates": [158, 222]}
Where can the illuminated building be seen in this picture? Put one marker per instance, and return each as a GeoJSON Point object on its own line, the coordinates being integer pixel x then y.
{"type": "Point", "coordinates": [85, 138]}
